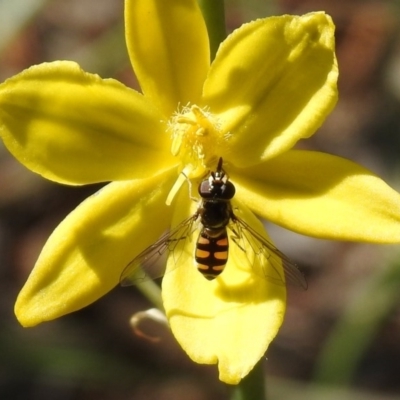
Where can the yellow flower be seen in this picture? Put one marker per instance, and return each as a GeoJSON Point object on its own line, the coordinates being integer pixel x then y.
{"type": "Point", "coordinates": [272, 83]}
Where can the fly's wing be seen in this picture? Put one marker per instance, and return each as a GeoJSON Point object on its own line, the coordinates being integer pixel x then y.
{"type": "Point", "coordinates": [144, 266]}
{"type": "Point", "coordinates": [268, 255]}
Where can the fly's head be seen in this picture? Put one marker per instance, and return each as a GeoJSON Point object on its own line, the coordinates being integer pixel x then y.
{"type": "Point", "coordinates": [217, 186]}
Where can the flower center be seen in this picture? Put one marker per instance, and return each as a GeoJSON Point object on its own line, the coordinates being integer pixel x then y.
{"type": "Point", "coordinates": [194, 140]}
{"type": "Point", "coordinates": [194, 135]}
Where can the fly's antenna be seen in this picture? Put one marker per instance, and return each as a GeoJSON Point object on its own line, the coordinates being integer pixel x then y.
{"type": "Point", "coordinates": [219, 173]}
{"type": "Point", "coordinates": [219, 166]}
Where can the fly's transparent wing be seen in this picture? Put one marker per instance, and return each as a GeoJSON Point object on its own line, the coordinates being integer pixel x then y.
{"type": "Point", "coordinates": [144, 266]}
{"type": "Point", "coordinates": [264, 255]}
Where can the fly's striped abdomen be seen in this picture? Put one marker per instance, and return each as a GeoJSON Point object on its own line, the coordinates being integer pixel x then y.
{"type": "Point", "coordinates": [212, 253]}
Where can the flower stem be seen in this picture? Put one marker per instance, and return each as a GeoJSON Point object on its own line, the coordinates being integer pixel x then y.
{"type": "Point", "coordinates": [214, 16]}
{"type": "Point", "coordinates": [152, 292]}
{"type": "Point", "coordinates": [252, 387]}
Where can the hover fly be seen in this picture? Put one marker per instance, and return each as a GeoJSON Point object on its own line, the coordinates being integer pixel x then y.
{"type": "Point", "coordinates": [217, 219]}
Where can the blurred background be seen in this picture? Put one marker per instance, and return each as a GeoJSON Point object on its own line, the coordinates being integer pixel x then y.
{"type": "Point", "coordinates": [340, 339]}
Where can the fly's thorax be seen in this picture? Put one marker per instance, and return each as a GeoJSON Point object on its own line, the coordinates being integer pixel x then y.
{"type": "Point", "coordinates": [215, 214]}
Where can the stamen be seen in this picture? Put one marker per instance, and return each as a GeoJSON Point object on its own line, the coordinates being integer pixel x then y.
{"type": "Point", "coordinates": [194, 133]}
{"type": "Point", "coordinates": [183, 176]}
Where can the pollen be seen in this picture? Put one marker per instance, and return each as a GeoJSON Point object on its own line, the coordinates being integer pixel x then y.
{"type": "Point", "coordinates": [194, 134]}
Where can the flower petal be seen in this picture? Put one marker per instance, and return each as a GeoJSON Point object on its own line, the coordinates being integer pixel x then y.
{"type": "Point", "coordinates": [169, 50]}
{"type": "Point", "coordinates": [321, 195]}
{"type": "Point", "coordinates": [272, 83]}
{"type": "Point", "coordinates": [84, 257]}
{"type": "Point", "coordinates": [73, 127]}
{"type": "Point", "coordinates": [230, 320]}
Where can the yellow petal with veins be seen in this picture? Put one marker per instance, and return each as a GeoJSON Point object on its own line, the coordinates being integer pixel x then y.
{"type": "Point", "coordinates": [272, 83]}
{"type": "Point", "coordinates": [230, 320]}
{"type": "Point", "coordinates": [85, 255]}
{"type": "Point", "coordinates": [169, 50]}
{"type": "Point", "coordinates": [76, 128]}
{"type": "Point", "coordinates": [321, 195]}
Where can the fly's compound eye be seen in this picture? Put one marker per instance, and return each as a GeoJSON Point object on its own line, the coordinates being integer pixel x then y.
{"type": "Point", "coordinates": [227, 191]}
{"type": "Point", "coordinates": [205, 189]}
{"type": "Point", "coordinates": [216, 189]}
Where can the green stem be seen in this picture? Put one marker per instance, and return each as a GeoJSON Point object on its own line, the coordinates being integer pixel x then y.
{"type": "Point", "coordinates": [252, 387]}
{"type": "Point", "coordinates": [152, 292]}
{"type": "Point", "coordinates": [214, 16]}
